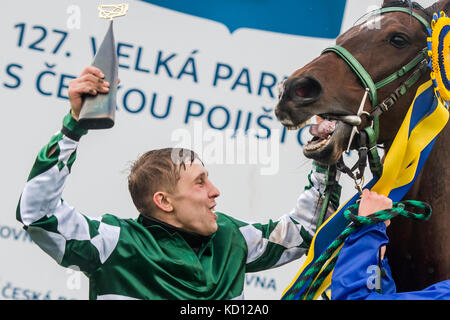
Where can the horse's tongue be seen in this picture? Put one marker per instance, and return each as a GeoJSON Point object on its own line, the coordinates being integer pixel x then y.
{"type": "Point", "coordinates": [323, 129]}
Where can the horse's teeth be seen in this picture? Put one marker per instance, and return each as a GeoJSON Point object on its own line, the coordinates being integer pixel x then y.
{"type": "Point", "coordinates": [318, 145]}
{"type": "Point", "coordinates": [299, 126]}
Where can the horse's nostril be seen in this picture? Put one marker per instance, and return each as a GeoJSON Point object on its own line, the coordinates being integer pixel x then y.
{"type": "Point", "coordinates": [307, 88]}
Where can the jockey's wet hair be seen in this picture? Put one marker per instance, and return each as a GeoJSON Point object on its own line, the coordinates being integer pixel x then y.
{"type": "Point", "coordinates": [157, 170]}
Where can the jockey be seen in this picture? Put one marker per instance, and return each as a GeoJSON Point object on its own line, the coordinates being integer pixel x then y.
{"type": "Point", "coordinates": [358, 273]}
{"type": "Point", "coordinates": [178, 246]}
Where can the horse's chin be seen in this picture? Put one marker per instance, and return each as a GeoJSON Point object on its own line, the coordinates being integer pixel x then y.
{"type": "Point", "coordinates": [329, 151]}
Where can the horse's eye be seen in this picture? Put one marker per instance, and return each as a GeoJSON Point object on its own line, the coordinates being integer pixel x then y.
{"type": "Point", "coordinates": [399, 40]}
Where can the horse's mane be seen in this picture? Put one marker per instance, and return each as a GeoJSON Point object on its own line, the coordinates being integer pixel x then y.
{"type": "Point", "coordinates": [411, 5]}
{"type": "Point", "coordinates": [404, 3]}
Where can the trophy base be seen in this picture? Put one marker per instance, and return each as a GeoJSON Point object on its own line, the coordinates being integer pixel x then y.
{"type": "Point", "coordinates": [96, 123]}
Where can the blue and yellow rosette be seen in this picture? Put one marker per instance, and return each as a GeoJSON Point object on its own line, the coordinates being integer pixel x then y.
{"type": "Point", "coordinates": [439, 52]}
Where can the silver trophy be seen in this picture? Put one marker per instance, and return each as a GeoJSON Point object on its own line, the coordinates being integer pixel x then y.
{"type": "Point", "coordinates": [98, 112]}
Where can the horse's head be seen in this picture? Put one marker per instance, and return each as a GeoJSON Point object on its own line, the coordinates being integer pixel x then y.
{"type": "Point", "coordinates": [329, 88]}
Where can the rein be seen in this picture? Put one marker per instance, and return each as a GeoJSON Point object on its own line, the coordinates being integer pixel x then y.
{"type": "Point", "coordinates": [321, 269]}
{"type": "Point", "coordinates": [368, 136]}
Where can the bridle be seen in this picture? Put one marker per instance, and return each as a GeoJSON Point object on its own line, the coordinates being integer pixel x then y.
{"type": "Point", "coordinates": [420, 61]}
{"type": "Point", "coordinates": [368, 136]}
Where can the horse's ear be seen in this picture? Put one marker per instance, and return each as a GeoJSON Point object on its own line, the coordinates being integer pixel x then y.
{"type": "Point", "coordinates": [442, 5]}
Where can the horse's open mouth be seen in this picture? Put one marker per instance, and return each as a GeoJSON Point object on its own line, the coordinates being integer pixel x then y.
{"type": "Point", "coordinates": [329, 136]}
{"type": "Point", "coordinates": [322, 133]}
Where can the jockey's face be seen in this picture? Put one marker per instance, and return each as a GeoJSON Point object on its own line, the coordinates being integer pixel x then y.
{"type": "Point", "coordinates": [194, 200]}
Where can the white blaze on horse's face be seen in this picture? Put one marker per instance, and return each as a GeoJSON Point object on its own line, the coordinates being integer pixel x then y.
{"type": "Point", "coordinates": [372, 23]}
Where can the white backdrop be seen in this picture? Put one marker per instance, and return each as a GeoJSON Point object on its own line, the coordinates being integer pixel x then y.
{"type": "Point", "coordinates": [37, 64]}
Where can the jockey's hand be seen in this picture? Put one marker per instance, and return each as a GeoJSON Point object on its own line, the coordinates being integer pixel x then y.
{"type": "Point", "coordinates": [90, 82]}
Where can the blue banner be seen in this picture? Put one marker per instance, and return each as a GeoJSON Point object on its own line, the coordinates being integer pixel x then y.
{"type": "Point", "coordinates": [319, 18]}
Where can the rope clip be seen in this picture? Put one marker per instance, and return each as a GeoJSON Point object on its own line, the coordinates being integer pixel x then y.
{"type": "Point", "coordinates": [358, 186]}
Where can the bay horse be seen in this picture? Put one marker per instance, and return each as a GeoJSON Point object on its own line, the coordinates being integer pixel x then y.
{"type": "Point", "coordinates": [418, 252]}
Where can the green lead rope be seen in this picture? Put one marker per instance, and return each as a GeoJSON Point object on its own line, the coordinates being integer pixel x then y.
{"type": "Point", "coordinates": [356, 222]}
{"type": "Point", "coordinates": [332, 192]}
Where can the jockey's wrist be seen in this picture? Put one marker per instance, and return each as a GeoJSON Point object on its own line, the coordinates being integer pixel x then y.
{"type": "Point", "coordinates": [71, 128]}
